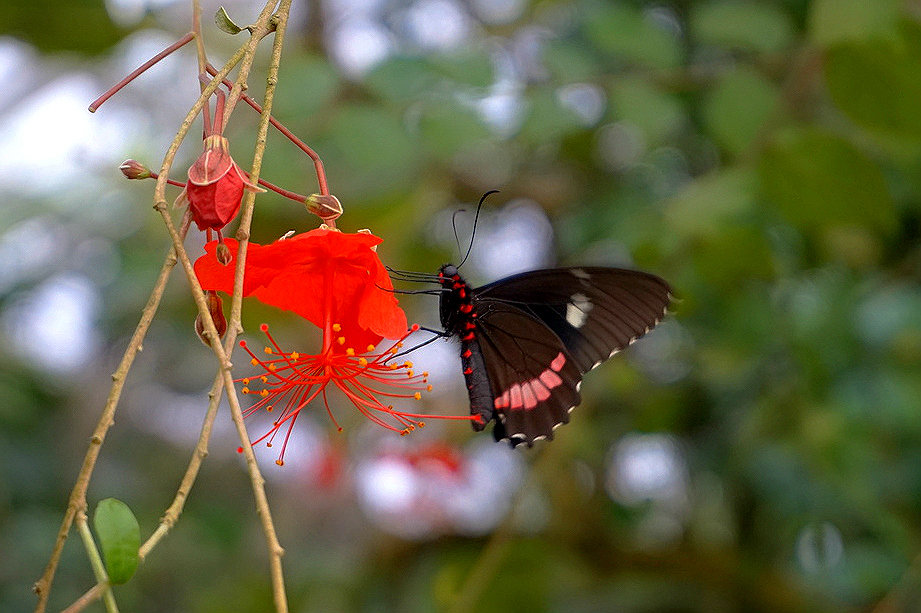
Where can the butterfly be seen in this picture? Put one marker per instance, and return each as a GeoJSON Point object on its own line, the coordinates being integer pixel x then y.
{"type": "Point", "coordinates": [528, 339]}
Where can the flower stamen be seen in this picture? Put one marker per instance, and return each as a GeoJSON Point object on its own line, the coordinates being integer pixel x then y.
{"type": "Point", "coordinates": [294, 380]}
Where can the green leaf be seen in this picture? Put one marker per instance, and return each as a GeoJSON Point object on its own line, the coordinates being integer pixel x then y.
{"type": "Point", "coordinates": [307, 84]}
{"type": "Point", "coordinates": [370, 151]}
{"type": "Point", "coordinates": [547, 119]}
{"type": "Point", "coordinates": [223, 21]}
{"type": "Point", "coordinates": [737, 108]}
{"type": "Point", "coordinates": [759, 27]}
{"type": "Point", "coordinates": [448, 128]}
{"type": "Point", "coordinates": [569, 62]}
{"type": "Point", "coordinates": [627, 34]}
{"type": "Point", "coordinates": [817, 179]}
{"type": "Point", "coordinates": [877, 83]}
{"type": "Point", "coordinates": [471, 67]}
{"type": "Point", "coordinates": [656, 113]}
{"type": "Point", "coordinates": [705, 206]}
{"type": "Point", "coordinates": [119, 538]}
{"type": "Point", "coordinates": [401, 78]}
{"type": "Point", "coordinates": [836, 21]}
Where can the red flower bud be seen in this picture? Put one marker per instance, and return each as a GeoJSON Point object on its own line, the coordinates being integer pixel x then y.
{"type": "Point", "coordinates": [216, 186]}
{"type": "Point", "coordinates": [132, 169]}
{"type": "Point", "coordinates": [216, 308]}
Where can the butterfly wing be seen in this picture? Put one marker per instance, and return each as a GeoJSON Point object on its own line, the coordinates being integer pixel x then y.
{"type": "Point", "coordinates": [595, 312]}
{"type": "Point", "coordinates": [532, 377]}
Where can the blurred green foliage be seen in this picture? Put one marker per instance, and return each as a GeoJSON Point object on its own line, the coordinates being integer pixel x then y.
{"type": "Point", "coordinates": [764, 157]}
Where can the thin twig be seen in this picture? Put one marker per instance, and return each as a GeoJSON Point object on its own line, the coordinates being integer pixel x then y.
{"type": "Point", "coordinates": [91, 596]}
{"type": "Point", "coordinates": [77, 501]}
{"type": "Point", "coordinates": [171, 515]}
{"type": "Point", "coordinates": [99, 569]}
{"type": "Point", "coordinates": [262, 29]}
{"type": "Point", "coordinates": [95, 104]}
{"type": "Point", "coordinates": [313, 155]}
{"type": "Point", "coordinates": [243, 232]}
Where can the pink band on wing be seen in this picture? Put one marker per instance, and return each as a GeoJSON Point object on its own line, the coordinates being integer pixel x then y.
{"type": "Point", "coordinates": [558, 362]}
{"type": "Point", "coordinates": [528, 394]}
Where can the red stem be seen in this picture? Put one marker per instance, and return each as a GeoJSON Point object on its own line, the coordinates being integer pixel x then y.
{"type": "Point", "coordinates": [115, 88]}
{"type": "Point", "coordinates": [278, 190]}
{"type": "Point", "coordinates": [318, 164]}
{"type": "Point", "coordinates": [218, 126]}
{"type": "Point", "coordinates": [205, 109]}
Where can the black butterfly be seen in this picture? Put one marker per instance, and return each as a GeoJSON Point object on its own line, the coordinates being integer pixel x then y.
{"type": "Point", "coordinates": [526, 340]}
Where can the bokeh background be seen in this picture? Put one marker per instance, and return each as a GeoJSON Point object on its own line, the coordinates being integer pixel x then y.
{"type": "Point", "coordinates": [760, 451]}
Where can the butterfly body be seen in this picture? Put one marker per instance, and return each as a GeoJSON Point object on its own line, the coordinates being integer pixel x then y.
{"type": "Point", "coordinates": [527, 340]}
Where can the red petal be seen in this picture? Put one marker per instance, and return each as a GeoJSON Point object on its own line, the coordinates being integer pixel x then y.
{"type": "Point", "coordinates": [321, 275]}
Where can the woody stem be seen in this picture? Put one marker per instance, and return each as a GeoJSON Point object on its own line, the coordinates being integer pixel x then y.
{"type": "Point", "coordinates": [264, 25]}
{"type": "Point", "coordinates": [131, 77]}
{"type": "Point", "coordinates": [202, 62]}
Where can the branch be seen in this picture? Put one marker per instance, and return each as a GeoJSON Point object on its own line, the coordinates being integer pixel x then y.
{"type": "Point", "coordinates": [258, 482]}
{"type": "Point", "coordinates": [77, 501]}
{"type": "Point", "coordinates": [99, 569]}
{"type": "Point", "coordinates": [91, 596]}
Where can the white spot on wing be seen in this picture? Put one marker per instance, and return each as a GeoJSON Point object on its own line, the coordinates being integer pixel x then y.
{"type": "Point", "coordinates": [581, 274]}
{"type": "Point", "coordinates": [577, 310]}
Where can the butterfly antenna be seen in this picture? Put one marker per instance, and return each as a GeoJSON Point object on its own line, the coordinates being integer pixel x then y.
{"type": "Point", "coordinates": [454, 227]}
{"type": "Point", "coordinates": [475, 219]}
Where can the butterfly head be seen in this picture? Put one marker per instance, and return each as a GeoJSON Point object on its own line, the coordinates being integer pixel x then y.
{"type": "Point", "coordinates": [456, 300]}
{"type": "Point", "coordinates": [448, 271]}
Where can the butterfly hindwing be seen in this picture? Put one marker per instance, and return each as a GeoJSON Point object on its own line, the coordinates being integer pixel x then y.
{"type": "Point", "coordinates": [594, 311]}
{"type": "Point", "coordinates": [533, 378]}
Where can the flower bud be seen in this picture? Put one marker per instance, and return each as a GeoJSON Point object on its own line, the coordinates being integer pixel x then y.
{"type": "Point", "coordinates": [222, 252]}
{"type": "Point", "coordinates": [216, 308]}
{"type": "Point", "coordinates": [132, 169]}
{"type": "Point", "coordinates": [215, 186]}
{"type": "Point", "coordinates": [324, 206]}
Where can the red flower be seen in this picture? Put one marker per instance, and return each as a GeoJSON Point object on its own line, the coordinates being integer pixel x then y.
{"type": "Point", "coordinates": [215, 186]}
{"type": "Point", "coordinates": [337, 282]}
{"type": "Point", "coordinates": [327, 277]}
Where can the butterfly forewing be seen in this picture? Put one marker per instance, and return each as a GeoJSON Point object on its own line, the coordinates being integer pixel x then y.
{"type": "Point", "coordinates": [594, 311]}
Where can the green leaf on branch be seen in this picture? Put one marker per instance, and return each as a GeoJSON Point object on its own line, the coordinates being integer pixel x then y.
{"type": "Point", "coordinates": [119, 538]}
{"type": "Point", "coordinates": [223, 21]}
